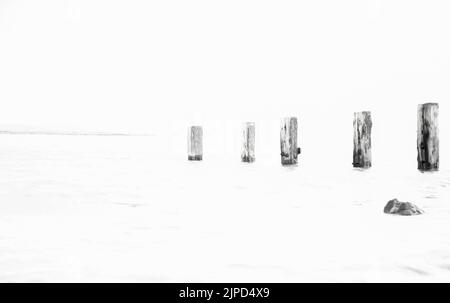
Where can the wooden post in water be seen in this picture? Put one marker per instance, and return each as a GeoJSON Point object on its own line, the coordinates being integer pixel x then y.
{"type": "Point", "coordinates": [248, 147]}
{"type": "Point", "coordinates": [362, 142]}
{"type": "Point", "coordinates": [195, 143]}
{"type": "Point", "coordinates": [427, 136]}
{"type": "Point", "coordinates": [288, 141]}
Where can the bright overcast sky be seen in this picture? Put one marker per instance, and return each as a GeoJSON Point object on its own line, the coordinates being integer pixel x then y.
{"type": "Point", "coordinates": [137, 65]}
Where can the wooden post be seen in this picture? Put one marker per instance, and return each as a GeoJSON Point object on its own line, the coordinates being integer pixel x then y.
{"type": "Point", "coordinates": [427, 136]}
{"type": "Point", "coordinates": [195, 143]}
{"type": "Point", "coordinates": [288, 141]}
{"type": "Point", "coordinates": [362, 142]}
{"type": "Point", "coordinates": [248, 147]}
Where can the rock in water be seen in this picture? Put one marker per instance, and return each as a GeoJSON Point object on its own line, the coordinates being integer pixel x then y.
{"type": "Point", "coordinates": [396, 207]}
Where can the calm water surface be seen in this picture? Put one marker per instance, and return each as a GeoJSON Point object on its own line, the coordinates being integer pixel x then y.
{"type": "Point", "coordinates": [88, 208]}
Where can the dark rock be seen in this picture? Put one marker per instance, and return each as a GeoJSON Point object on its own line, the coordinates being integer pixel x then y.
{"type": "Point", "coordinates": [396, 207]}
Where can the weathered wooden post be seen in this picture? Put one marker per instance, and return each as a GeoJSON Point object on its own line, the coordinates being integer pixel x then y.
{"type": "Point", "coordinates": [427, 136]}
{"type": "Point", "coordinates": [362, 142]}
{"type": "Point", "coordinates": [288, 141]}
{"type": "Point", "coordinates": [195, 143]}
{"type": "Point", "coordinates": [248, 146]}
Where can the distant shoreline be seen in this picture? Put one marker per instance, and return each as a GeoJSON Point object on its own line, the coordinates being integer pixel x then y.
{"type": "Point", "coordinates": [50, 133]}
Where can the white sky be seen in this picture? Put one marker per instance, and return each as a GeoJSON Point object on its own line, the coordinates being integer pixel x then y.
{"type": "Point", "coordinates": [141, 65]}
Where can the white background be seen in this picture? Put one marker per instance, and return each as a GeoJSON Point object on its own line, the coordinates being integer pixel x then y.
{"type": "Point", "coordinates": [157, 66]}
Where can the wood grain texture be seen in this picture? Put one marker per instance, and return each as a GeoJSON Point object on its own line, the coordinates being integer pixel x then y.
{"type": "Point", "coordinates": [288, 141]}
{"type": "Point", "coordinates": [195, 143]}
{"type": "Point", "coordinates": [427, 136]}
{"type": "Point", "coordinates": [248, 146]}
{"type": "Point", "coordinates": [362, 141]}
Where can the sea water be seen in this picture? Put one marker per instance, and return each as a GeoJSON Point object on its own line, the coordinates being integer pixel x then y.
{"type": "Point", "coordinates": [122, 209]}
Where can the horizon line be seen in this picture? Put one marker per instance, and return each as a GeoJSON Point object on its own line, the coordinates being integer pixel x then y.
{"type": "Point", "coordinates": [70, 133]}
